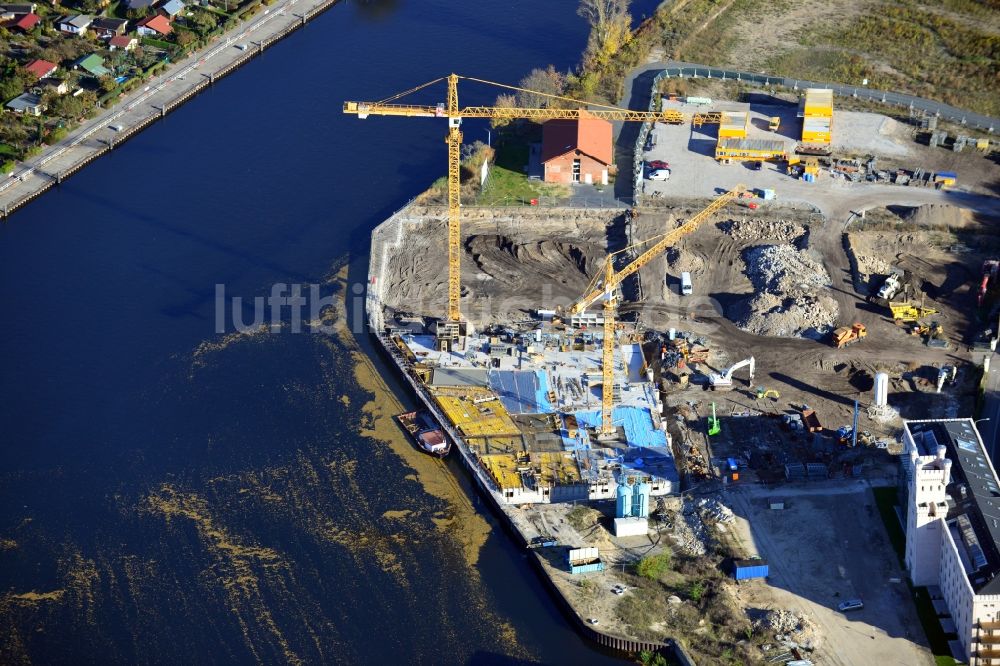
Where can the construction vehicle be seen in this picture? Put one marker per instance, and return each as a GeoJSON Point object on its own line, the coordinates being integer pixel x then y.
{"type": "Point", "coordinates": [605, 286]}
{"type": "Point", "coordinates": [810, 421]}
{"type": "Point", "coordinates": [905, 312]}
{"type": "Point", "coordinates": [714, 427]}
{"type": "Point", "coordinates": [724, 381]}
{"type": "Point", "coordinates": [763, 393]}
{"type": "Point", "coordinates": [452, 331]}
{"type": "Point", "coordinates": [935, 336]}
{"type": "Point", "coordinates": [991, 267]}
{"type": "Point", "coordinates": [774, 123]}
{"type": "Point", "coordinates": [848, 335]}
{"type": "Point", "coordinates": [890, 287]}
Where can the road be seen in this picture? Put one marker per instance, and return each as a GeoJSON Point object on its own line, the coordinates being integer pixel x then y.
{"type": "Point", "coordinates": [161, 92]}
{"type": "Point", "coordinates": [670, 68]}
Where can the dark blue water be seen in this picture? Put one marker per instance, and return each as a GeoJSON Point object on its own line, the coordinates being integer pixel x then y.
{"type": "Point", "coordinates": [165, 504]}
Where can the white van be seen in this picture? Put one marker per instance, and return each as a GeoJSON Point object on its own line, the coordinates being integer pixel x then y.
{"type": "Point", "coordinates": [686, 288]}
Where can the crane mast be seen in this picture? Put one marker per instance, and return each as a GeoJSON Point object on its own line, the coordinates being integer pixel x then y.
{"type": "Point", "coordinates": [453, 327]}
{"type": "Point", "coordinates": [613, 279]}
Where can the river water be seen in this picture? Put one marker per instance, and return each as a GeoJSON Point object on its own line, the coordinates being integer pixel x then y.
{"type": "Point", "coordinates": [169, 493]}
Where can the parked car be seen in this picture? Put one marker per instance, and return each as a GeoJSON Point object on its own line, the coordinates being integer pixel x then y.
{"type": "Point", "coordinates": [657, 164]}
{"type": "Point", "coordinates": [593, 620]}
{"type": "Point", "coordinates": [659, 174]}
{"type": "Point", "coordinates": [850, 605]}
{"type": "Point", "coordinates": [618, 589]}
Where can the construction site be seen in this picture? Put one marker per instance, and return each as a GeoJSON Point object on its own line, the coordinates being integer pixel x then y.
{"type": "Point", "coordinates": [632, 381]}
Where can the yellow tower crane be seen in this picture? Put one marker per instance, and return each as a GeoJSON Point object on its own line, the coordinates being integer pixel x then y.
{"type": "Point", "coordinates": [612, 279]}
{"type": "Point", "coordinates": [455, 114]}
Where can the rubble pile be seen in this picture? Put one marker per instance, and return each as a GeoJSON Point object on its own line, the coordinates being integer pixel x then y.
{"type": "Point", "coordinates": [791, 294]}
{"type": "Point", "coordinates": [752, 229]}
{"type": "Point", "coordinates": [714, 510]}
{"type": "Point", "coordinates": [778, 621]}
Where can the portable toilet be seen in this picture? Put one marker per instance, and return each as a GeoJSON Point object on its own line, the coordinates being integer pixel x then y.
{"type": "Point", "coordinates": [623, 508]}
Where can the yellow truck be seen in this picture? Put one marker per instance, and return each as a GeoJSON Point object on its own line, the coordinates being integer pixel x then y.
{"type": "Point", "coordinates": [774, 123]}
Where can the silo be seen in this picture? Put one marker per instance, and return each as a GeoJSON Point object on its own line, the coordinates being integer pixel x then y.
{"type": "Point", "coordinates": [881, 389]}
{"type": "Point", "coordinates": [640, 500]}
{"type": "Point", "coordinates": [624, 507]}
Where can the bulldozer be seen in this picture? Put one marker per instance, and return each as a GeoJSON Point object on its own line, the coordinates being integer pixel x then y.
{"type": "Point", "coordinates": [847, 335]}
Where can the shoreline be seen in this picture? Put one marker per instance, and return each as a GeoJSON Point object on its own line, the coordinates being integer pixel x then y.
{"type": "Point", "coordinates": [385, 238]}
{"type": "Point", "coordinates": [164, 93]}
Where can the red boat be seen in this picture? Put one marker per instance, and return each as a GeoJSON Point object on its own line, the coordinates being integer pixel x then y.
{"type": "Point", "coordinates": [425, 433]}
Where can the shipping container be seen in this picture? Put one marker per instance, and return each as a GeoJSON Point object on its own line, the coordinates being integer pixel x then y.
{"type": "Point", "coordinates": [734, 125]}
{"type": "Point", "coordinates": [747, 569]}
{"type": "Point", "coordinates": [818, 102]}
{"type": "Point", "coordinates": [817, 130]}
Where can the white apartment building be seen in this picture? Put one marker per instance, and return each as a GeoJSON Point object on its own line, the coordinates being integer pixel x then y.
{"type": "Point", "coordinates": [952, 501]}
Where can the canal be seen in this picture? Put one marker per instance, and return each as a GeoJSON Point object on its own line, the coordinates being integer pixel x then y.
{"type": "Point", "coordinates": [170, 493]}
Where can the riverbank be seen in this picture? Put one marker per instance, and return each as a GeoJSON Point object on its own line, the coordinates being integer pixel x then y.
{"type": "Point", "coordinates": [164, 93]}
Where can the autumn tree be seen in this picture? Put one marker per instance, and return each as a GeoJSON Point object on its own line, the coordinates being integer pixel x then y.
{"type": "Point", "coordinates": [504, 102]}
{"type": "Point", "coordinates": [547, 81]}
{"type": "Point", "coordinates": [610, 26]}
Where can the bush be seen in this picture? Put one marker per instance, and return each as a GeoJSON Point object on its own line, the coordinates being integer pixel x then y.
{"type": "Point", "coordinates": [653, 566]}
{"type": "Point", "coordinates": [697, 590]}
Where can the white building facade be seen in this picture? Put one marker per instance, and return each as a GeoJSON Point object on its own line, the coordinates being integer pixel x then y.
{"type": "Point", "coordinates": [948, 481]}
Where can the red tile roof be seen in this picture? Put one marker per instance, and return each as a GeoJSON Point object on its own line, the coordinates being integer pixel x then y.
{"type": "Point", "coordinates": [590, 135]}
{"type": "Point", "coordinates": [27, 22]}
{"type": "Point", "coordinates": [40, 68]}
{"type": "Point", "coordinates": [121, 41]}
{"type": "Point", "coordinates": [159, 23]}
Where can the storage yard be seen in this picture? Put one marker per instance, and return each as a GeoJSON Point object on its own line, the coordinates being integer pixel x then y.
{"type": "Point", "coordinates": [634, 384]}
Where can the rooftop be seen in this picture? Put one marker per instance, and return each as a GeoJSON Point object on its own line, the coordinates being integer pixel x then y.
{"type": "Point", "coordinates": [975, 489]}
{"type": "Point", "coordinates": [591, 136]}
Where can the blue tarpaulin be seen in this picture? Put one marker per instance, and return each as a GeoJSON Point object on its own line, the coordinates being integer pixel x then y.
{"type": "Point", "coordinates": [521, 391]}
{"type": "Point", "coordinates": [637, 422]}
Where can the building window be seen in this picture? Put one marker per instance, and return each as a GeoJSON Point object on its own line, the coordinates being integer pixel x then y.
{"type": "Point", "coordinates": [576, 171]}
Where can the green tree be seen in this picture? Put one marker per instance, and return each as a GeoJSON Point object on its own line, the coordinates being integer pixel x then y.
{"type": "Point", "coordinates": [653, 566]}
{"type": "Point", "coordinates": [13, 79]}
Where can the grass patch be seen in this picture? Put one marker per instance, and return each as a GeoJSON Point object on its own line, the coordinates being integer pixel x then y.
{"type": "Point", "coordinates": [509, 184]}
{"type": "Point", "coordinates": [932, 628]}
{"type": "Point", "coordinates": [885, 499]}
{"type": "Point", "coordinates": [8, 150]}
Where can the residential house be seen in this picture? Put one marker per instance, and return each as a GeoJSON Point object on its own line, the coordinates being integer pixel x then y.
{"type": "Point", "coordinates": [26, 103]}
{"type": "Point", "coordinates": [125, 42]}
{"type": "Point", "coordinates": [139, 4]}
{"type": "Point", "coordinates": [41, 68]}
{"type": "Point", "coordinates": [577, 151]}
{"type": "Point", "coordinates": [172, 9]}
{"type": "Point", "coordinates": [57, 86]}
{"type": "Point", "coordinates": [25, 22]}
{"type": "Point", "coordinates": [154, 26]}
{"type": "Point", "coordinates": [18, 10]}
{"type": "Point", "coordinates": [92, 64]}
{"type": "Point", "coordinates": [106, 28]}
{"type": "Point", "coordinates": [75, 25]}
{"type": "Point", "coordinates": [9, 13]}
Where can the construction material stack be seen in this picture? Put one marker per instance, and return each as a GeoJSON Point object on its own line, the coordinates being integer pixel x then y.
{"type": "Point", "coordinates": [817, 121]}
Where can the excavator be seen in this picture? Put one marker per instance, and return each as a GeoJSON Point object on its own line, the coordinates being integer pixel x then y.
{"type": "Point", "coordinates": [724, 381]}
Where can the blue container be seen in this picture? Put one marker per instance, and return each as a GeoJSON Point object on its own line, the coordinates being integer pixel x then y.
{"type": "Point", "coordinates": [586, 568]}
{"type": "Point", "coordinates": [640, 500]}
{"type": "Point", "coordinates": [747, 569]}
{"type": "Point", "coordinates": [623, 507]}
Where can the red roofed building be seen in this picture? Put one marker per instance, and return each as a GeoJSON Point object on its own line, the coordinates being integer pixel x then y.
{"type": "Point", "coordinates": [154, 25]}
{"type": "Point", "coordinates": [577, 151]}
{"type": "Point", "coordinates": [26, 23]}
{"type": "Point", "coordinates": [41, 68]}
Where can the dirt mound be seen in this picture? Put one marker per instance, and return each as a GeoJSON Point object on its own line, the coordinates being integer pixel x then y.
{"type": "Point", "coordinates": [501, 257]}
{"type": "Point", "coordinates": [790, 294]}
{"type": "Point", "coordinates": [685, 261]}
{"type": "Point", "coordinates": [933, 215]}
{"type": "Point", "coordinates": [758, 229]}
